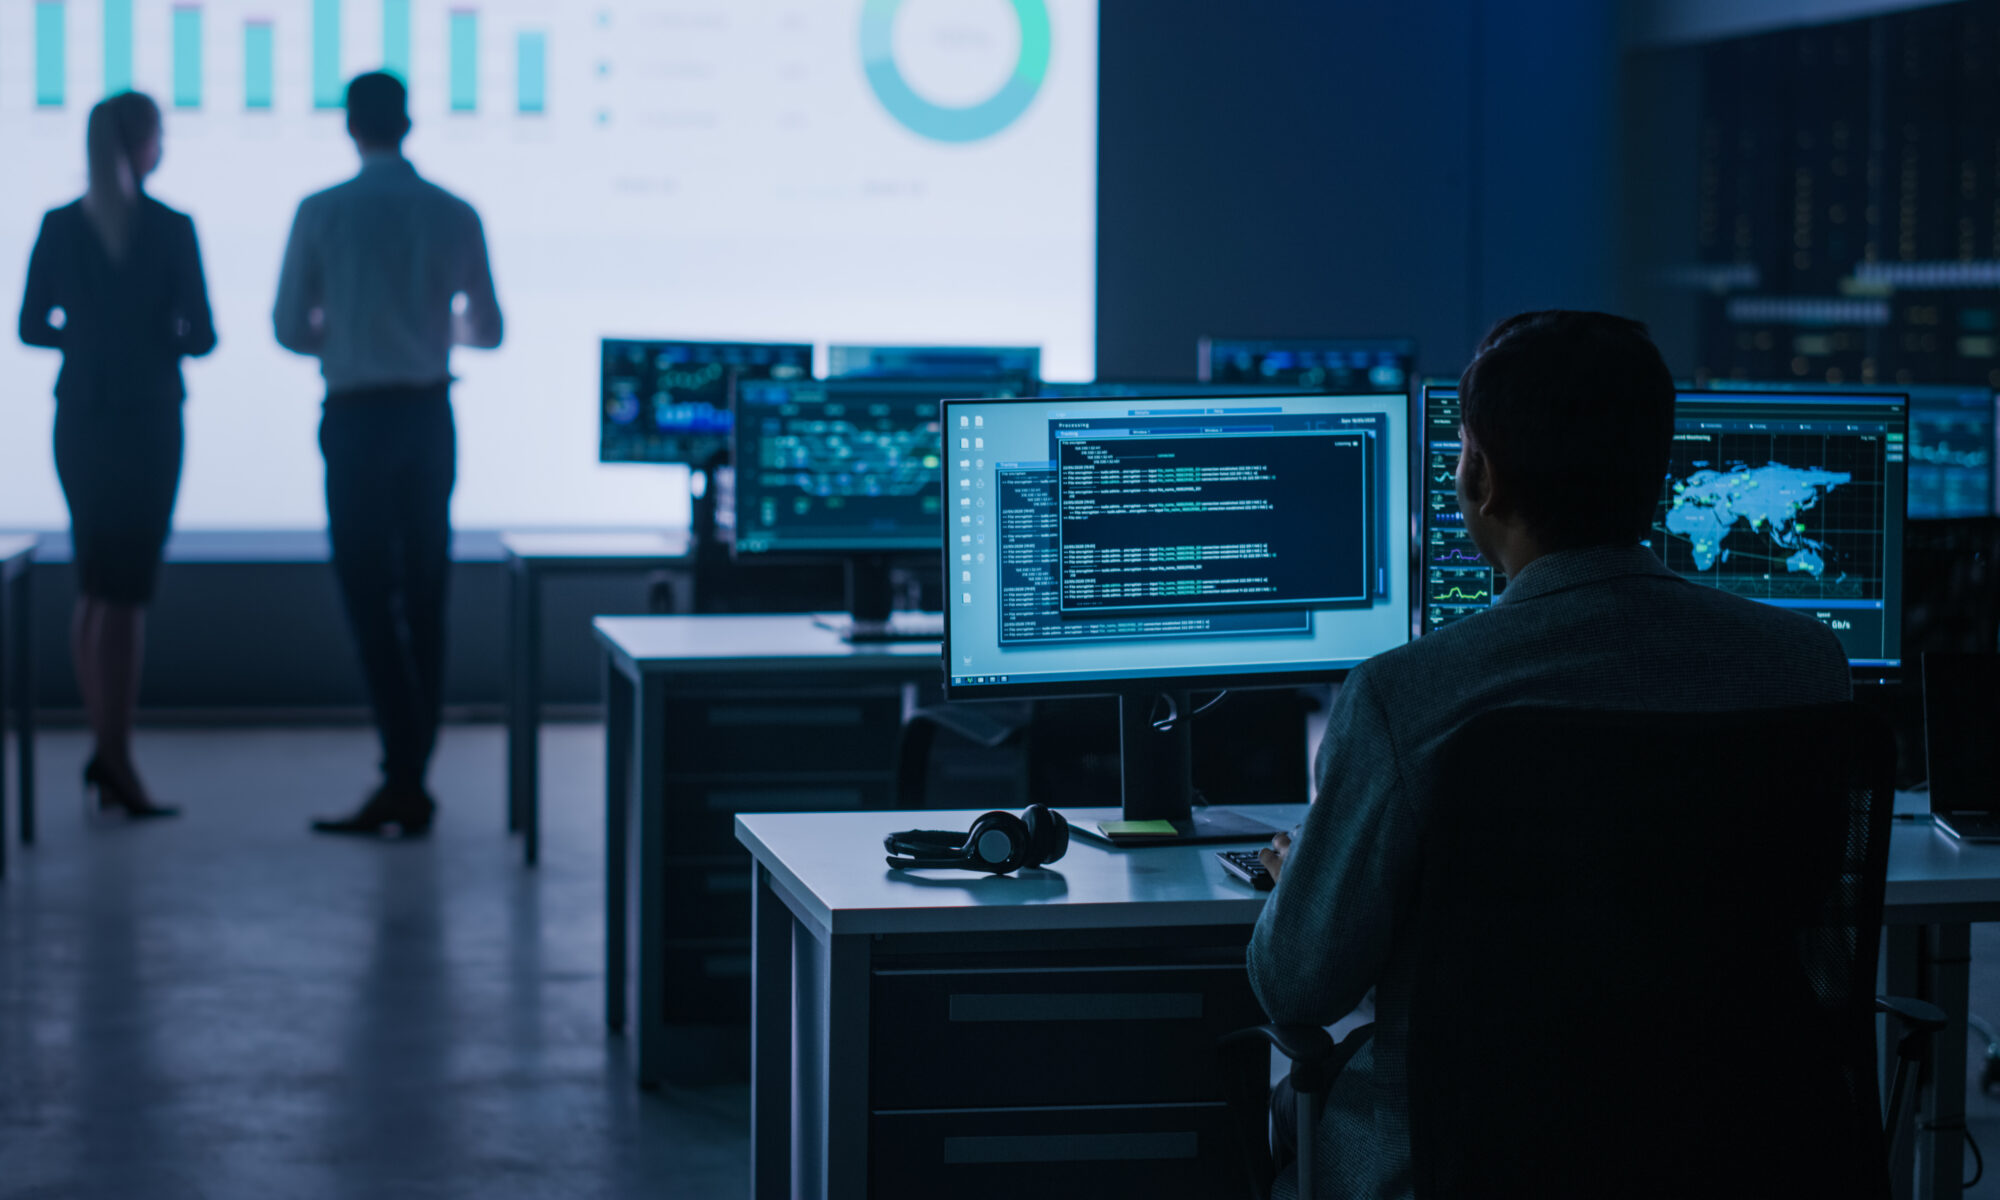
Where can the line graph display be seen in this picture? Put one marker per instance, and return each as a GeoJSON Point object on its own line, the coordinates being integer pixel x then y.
{"type": "Point", "coordinates": [1458, 581]}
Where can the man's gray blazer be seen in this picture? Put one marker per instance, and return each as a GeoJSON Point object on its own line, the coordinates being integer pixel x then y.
{"type": "Point", "coordinates": [1608, 627]}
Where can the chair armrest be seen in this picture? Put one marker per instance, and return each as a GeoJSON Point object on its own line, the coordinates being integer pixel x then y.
{"type": "Point", "coordinates": [1918, 1016]}
{"type": "Point", "coordinates": [1306, 1044]}
{"type": "Point", "coordinates": [1316, 1059]}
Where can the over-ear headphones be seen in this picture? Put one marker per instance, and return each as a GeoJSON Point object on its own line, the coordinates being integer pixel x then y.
{"type": "Point", "coordinates": [999, 842]}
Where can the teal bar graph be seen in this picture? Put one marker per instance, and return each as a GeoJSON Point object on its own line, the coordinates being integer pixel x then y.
{"type": "Point", "coordinates": [257, 74]}
{"type": "Point", "coordinates": [532, 73]}
{"type": "Point", "coordinates": [50, 53]}
{"type": "Point", "coordinates": [328, 91]}
{"type": "Point", "coordinates": [187, 56]}
{"type": "Point", "coordinates": [396, 38]}
{"type": "Point", "coordinates": [117, 46]}
{"type": "Point", "coordinates": [464, 60]}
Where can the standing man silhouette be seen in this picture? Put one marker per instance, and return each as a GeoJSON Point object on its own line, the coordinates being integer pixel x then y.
{"type": "Point", "coordinates": [382, 276]}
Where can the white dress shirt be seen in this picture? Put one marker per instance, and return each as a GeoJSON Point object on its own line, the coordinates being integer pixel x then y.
{"type": "Point", "coordinates": [371, 274]}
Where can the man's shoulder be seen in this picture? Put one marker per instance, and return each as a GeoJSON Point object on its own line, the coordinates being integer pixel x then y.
{"type": "Point", "coordinates": [1607, 637]}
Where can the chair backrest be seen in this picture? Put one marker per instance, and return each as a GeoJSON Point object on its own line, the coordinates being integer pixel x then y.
{"type": "Point", "coordinates": [1645, 955]}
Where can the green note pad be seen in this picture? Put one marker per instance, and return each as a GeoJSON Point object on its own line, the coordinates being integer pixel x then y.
{"type": "Point", "coordinates": [1137, 829]}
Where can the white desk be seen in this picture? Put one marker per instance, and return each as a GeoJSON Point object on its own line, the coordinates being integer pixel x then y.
{"type": "Point", "coordinates": [824, 907]}
{"type": "Point", "coordinates": [709, 716]}
{"type": "Point", "coordinates": [530, 558]}
{"type": "Point", "coordinates": [827, 914]}
{"type": "Point", "coordinates": [1937, 888]}
{"type": "Point", "coordinates": [17, 638]}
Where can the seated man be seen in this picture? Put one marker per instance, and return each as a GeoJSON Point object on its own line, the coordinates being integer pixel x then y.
{"type": "Point", "coordinates": [1568, 419]}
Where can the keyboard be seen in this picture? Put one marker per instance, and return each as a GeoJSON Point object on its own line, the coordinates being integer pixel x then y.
{"type": "Point", "coordinates": [1244, 865]}
{"type": "Point", "coordinates": [901, 627]}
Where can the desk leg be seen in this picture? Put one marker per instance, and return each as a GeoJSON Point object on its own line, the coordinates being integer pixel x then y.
{"type": "Point", "coordinates": [649, 736]}
{"type": "Point", "coordinates": [24, 695]}
{"type": "Point", "coordinates": [832, 1006]}
{"type": "Point", "coordinates": [516, 579]}
{"type": "Point", "coordinates": [617, 827]}
{"type": "Point", "coordinates": [1947, 962]}
{"type": "Point", "coordinates": [1903, 976]}
{"type": "Point", "coordinates": [771, 927]}
{"type": "Point", "coordinates": [530, 665]}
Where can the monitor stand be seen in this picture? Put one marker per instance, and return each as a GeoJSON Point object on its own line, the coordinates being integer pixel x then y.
{"type": "Point", "coordinates": [870, 601]}
{"type": "Point", "coordinates": [1156, 759]}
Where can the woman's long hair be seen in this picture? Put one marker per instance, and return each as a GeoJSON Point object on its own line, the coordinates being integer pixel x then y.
{"type": "Point", "coordinates": [119, 128]}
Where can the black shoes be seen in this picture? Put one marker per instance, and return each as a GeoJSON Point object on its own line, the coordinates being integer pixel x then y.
{"type": "Point", "coordinates": [112, 797]}
{"type": "Point", "coordinates": [392, 812]}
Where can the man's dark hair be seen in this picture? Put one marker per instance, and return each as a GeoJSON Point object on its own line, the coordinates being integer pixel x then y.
{"type": "Point", "coordinates": [1575, 410]}
{"type": "Point", "coordinates": [378, 109]}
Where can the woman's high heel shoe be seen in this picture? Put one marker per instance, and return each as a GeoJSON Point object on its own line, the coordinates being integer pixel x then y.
{"type": "Point", "coordinates": [113, 797]}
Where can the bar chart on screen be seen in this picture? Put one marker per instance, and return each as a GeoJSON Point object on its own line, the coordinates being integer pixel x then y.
{"type": "Point", "coordinates": [788, 170]}
{"type": "Point", "coordinates": [485, 57]}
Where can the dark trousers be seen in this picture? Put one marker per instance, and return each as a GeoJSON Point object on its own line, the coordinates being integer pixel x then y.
{"type": "Point", "coordinates": [391, 460]}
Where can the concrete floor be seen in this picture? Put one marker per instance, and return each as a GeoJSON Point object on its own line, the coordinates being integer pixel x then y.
{"type": "Point", "coordinates": [226, 1006]}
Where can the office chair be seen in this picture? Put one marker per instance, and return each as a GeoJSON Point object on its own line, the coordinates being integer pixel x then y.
{"type": "Point", "coordinates": [1640, 961]}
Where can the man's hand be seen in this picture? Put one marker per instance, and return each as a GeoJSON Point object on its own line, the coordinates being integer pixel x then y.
{"type": "Point", "coordinates": [1273, 856]}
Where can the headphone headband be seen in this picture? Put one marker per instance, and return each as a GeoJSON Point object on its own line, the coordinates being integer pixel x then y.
{"type": "Point", "coordinates": [998, 843]}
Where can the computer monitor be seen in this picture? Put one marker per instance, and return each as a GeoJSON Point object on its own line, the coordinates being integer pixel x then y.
{"type": "Point", "coordinates": [670, 402]}
{"type": "Point", "coordinates": [1154, 388]}
{"type": "Point", "coordinates": [844, 468]}
{"type": "Point", "coordinates": [1147, 548]}
{"type": "Point", "coordinates": [1338, 365]}
{"type": "Point", "coordinates": [1793, 499]}
{"type": "Point", "coordinates": [1953, 437]}
{"type": "Point", "coordinates": [1019, 366]}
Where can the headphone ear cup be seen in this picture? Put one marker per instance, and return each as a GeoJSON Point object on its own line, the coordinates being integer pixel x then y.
{"type": "Point", "coordinates": [997, 842]}
{"type": "Point", "coordinates": [1058, 834]}
{"type": "Point", "coordinates": [1048, 834]}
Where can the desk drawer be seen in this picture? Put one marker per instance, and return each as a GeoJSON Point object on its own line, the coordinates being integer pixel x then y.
{"type": "Point", "coordinates": [777, 732]}
{"type": "Point", "coordinates": [702, 812]}
{"type": "Point", "coordinates": [708, 981]}
{"type": "Point", "coordinates": [1055, 1035]}
{"type": "Point", "coordinates": [709, 897]}
{"type": "Point", "coordinates": [1057, 1154]}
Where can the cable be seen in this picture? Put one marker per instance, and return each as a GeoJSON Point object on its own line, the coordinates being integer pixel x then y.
{"type": "Point", "coordinates": [1173, 716]}
{"type": "Point", "coordinates": [1978, 1162]}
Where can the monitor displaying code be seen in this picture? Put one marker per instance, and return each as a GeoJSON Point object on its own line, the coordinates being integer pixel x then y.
{"type": "Point", "coordinates": [1094, 540]}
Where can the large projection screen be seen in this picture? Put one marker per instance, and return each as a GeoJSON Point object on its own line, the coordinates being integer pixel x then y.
{"type": "Point", "coordinates": [856, 171]}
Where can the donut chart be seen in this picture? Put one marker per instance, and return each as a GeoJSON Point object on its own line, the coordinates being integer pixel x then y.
{"type": "Point", "coordinates": [945, 123]}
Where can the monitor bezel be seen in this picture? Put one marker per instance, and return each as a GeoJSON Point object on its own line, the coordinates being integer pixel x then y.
{"type": "Point", "coordinates": [728, 439]}
{"type": "Point", "coordinates": [1155, 684]}
{"type": "Point", "coordinates": [846, 551]}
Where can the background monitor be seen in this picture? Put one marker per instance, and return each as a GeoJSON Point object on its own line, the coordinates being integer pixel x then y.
{"type": "Point", "coordinates": [840, 467]}
{"type": "Point", "coordinates": [1017, 365]}
{"type": "Point", "coordinates": [1953, 437]}
{"type": "Point", "coordinates": [670, 402]}
{"type": "Point", "coordinates": [1341, 365]}
{"type": "Point", "coordinates": [1106, 546]}
{"type": "Point", "coordinates": [1790, 499]}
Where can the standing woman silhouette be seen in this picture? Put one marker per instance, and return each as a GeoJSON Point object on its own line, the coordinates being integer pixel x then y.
{"type": "Point", "coordinates": [115, 283]}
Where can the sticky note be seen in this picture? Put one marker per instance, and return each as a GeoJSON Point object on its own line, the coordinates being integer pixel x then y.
{"type": "Point", "coordinates": [1138, 829]}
